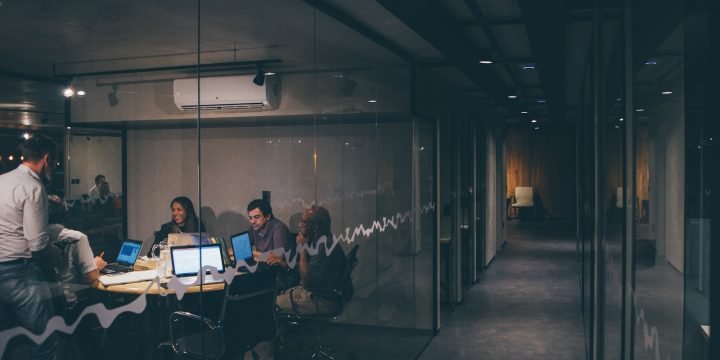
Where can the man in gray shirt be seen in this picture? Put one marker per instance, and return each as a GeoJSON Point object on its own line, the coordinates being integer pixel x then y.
{"type": "Point", "coordinates": [25, 298]}
{"type": "Point", "coordinates": [267, 233]}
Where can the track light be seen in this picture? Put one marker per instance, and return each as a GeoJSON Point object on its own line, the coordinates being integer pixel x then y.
{"type": "Point", "coordinates": [112, 97]}
{"type": "Point", "coordinates": [349, 86]}
{"type": "Point", "coordinates": [259, 78]}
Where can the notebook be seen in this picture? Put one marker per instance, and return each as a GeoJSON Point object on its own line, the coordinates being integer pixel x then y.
{"type": "Point", "coordinates": [186, 263]}
{"type": "Point", "coordinates": [242, 250]}
{"type": "Point", "coordinates": [125, 261]}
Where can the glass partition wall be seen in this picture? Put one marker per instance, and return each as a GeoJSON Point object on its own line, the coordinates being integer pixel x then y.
{"type": "Point", "coordinates": [647, 264]}
{"type": "Point", "coordinates": [221, 103]}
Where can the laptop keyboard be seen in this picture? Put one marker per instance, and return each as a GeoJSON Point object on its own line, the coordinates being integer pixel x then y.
{"type": "Point", "coordinates": [116, 268]}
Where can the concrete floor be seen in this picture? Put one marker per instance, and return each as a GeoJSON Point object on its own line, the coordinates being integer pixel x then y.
{"type": "Point", "coordinates": [526, 304]}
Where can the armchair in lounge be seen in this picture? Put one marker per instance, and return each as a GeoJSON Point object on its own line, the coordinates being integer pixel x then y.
{"type": "Point", "coordinates": [523, 201]}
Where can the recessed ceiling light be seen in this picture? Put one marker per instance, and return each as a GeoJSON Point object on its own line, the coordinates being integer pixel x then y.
{"type": "Point", "coordinates": [533, 121]}
{"type": "Point", "coordinates": [617, 126]}
{"type": "Point", "coordinates": [372, 101]}
{"type": "Point", "coordinates": [523, 112]}
{"type": "Point", "coordinates": [26, 135]}
{"type": "Point", "coordinates": [640, 110]}
{"type": "Point", "coordinates": [667, 92]}
{"type": "Point", "coordinates": [527, 66]}
{"type": "Point", "coordinates": [537, 128]}
{"type": "Point", "coordinates": [621, 119]}
{"type": "Point", "coordinates": [485, 61]}
{"type": "Point", "coordinates": [269, 73]}
{"type": "Point", "coordinates": [652, 62]}
{"type": "Point", "coordinates": [512, 96]}
{"type": "Point", "coordinates": [69, 127]}
{"type": "Point", "coordinates": [81, 92]}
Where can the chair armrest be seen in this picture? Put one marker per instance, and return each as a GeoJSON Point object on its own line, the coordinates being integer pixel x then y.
{"type": "Point", "coordinates": [177, 316]}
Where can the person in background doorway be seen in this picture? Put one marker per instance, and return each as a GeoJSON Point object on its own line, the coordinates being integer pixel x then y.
{"type": "Point", "coordinates": [94, 191]}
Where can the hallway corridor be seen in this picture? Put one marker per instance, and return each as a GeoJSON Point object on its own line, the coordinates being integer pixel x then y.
{"type": "Point", "coordinates": [526, 305]}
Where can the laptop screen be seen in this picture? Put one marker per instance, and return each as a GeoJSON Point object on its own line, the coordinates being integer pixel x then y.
{"type": "Point", "coordinates": [129, 252]}
{"type": "Point", "coordinates": [180, 239]}
{"type": "Point", "coordinates": [241, 246]}
{"type": "Point", "coordinates": [186, 259]}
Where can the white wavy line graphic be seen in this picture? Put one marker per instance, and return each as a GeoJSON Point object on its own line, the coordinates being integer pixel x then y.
{"type": "Point", "coordinates": [107, 316]}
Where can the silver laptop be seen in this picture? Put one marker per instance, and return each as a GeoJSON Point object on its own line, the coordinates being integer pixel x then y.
{"type": "Point", "coordinates": [188, 260]}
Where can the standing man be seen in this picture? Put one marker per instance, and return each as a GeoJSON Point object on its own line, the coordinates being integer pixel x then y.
{"type": "Point", "coordinates": [321, 269]}
{"type": "Point", "coordinates": [267, 233]}
{"type": "Point", "coordinates": [25, 243]}
{"type": "Point", "coordinates": [94, 191]}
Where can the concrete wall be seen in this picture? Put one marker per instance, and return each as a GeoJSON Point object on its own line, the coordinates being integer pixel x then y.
{"type": "Point", "coordinates": [363, 173]}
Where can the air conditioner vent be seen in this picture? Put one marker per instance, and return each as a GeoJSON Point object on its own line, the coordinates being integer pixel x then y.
{"type": "Point", "coordinates": [226, 93]}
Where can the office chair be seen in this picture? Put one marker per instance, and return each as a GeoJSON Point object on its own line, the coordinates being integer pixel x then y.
{"type": "Point", "coordinates": [247, 316]}
{"type": "Point", "coordinates": [341, 295]}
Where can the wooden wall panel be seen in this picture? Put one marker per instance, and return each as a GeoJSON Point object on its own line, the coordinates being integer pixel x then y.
{"type": "Point", "coordinates": [545, 160]}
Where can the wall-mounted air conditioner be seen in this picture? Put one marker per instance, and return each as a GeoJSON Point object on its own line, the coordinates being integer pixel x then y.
{"type": "Point", "coordinates": [226, 93]}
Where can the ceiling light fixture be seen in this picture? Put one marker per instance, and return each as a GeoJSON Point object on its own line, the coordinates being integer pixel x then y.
{"type": "Point", "coordinates": [485, 61]}
{"type": "Point", "coordinates": [512, 96]}
{"type": "Point", "coordinates": [640, 110]}
{"type": "Point", "coordinates": [26, 135]}
{"type": "Point", "coordinates": [537, 128]}
{"type": "Point", "coordinates": [622, 119]}
{"type": "Point", "coordinates": [528, 66]}
{"type": "Point", "coordinates": [259, 78]}
{"type": "Point", "coordinates": [68, 92]}
{"type": "Point", "coordinates": [112, 96]}
{"type": "Point", "coordinates": [533, 121]}
{"type": "Point", "coordinates": [372, 101]}
{"type": "Point", "coordinates": [81, 92]}
{"type": "Point", "coordinates": [348, 87]}
{"type": "Point", "coordinates": [666, 92]}
{"type": "Point", "coordinates": [523, 112]}
{"type": "Point", "coordinates": [652, 62]}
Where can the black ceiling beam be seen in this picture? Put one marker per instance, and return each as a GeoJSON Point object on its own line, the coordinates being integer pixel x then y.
{"type": "Point", "coordinates": [431, 21]}
{"type": "Point", "coordinates": [22, 76]}
{"type": "Point", "coordinates": [214, 66]}
{"type": "Point", "coordinates": [545, 23]}
{"type": "Point", "coordinates": [363, 29]}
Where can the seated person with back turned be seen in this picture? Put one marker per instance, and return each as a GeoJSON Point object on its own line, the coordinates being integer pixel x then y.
{"type": "Point", "coordinates": [183, 220]}
{"type": "Point", "coordinates": [319, 271]}
{"type": "Point", "coordinates": [75, 246]}
{"type": "Point", "coordinates": [267, 233]}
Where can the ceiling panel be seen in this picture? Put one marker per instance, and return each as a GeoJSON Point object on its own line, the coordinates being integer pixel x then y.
{"type": "Point", "coordinates": [478, 36]}
{"type": "Point", "coordinates": [497, 9]}
{"type": "Point", "coordinates": [458, 10]}
{"type": "Point", "coordinates": [513, 40]}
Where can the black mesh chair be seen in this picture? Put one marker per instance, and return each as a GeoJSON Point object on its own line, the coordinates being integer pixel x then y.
{"type": "Point", "coordinates": [340, 296]}
{"type": "Point", "coordinates": [246, 318]}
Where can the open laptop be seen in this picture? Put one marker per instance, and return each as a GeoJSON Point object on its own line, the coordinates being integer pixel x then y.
{"type": "Point", "coordinates": [186, 261]}
{"type": "Point", "coordinates": [129, 252]}
{"type": "Point", "coordinates": [181, 239]}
